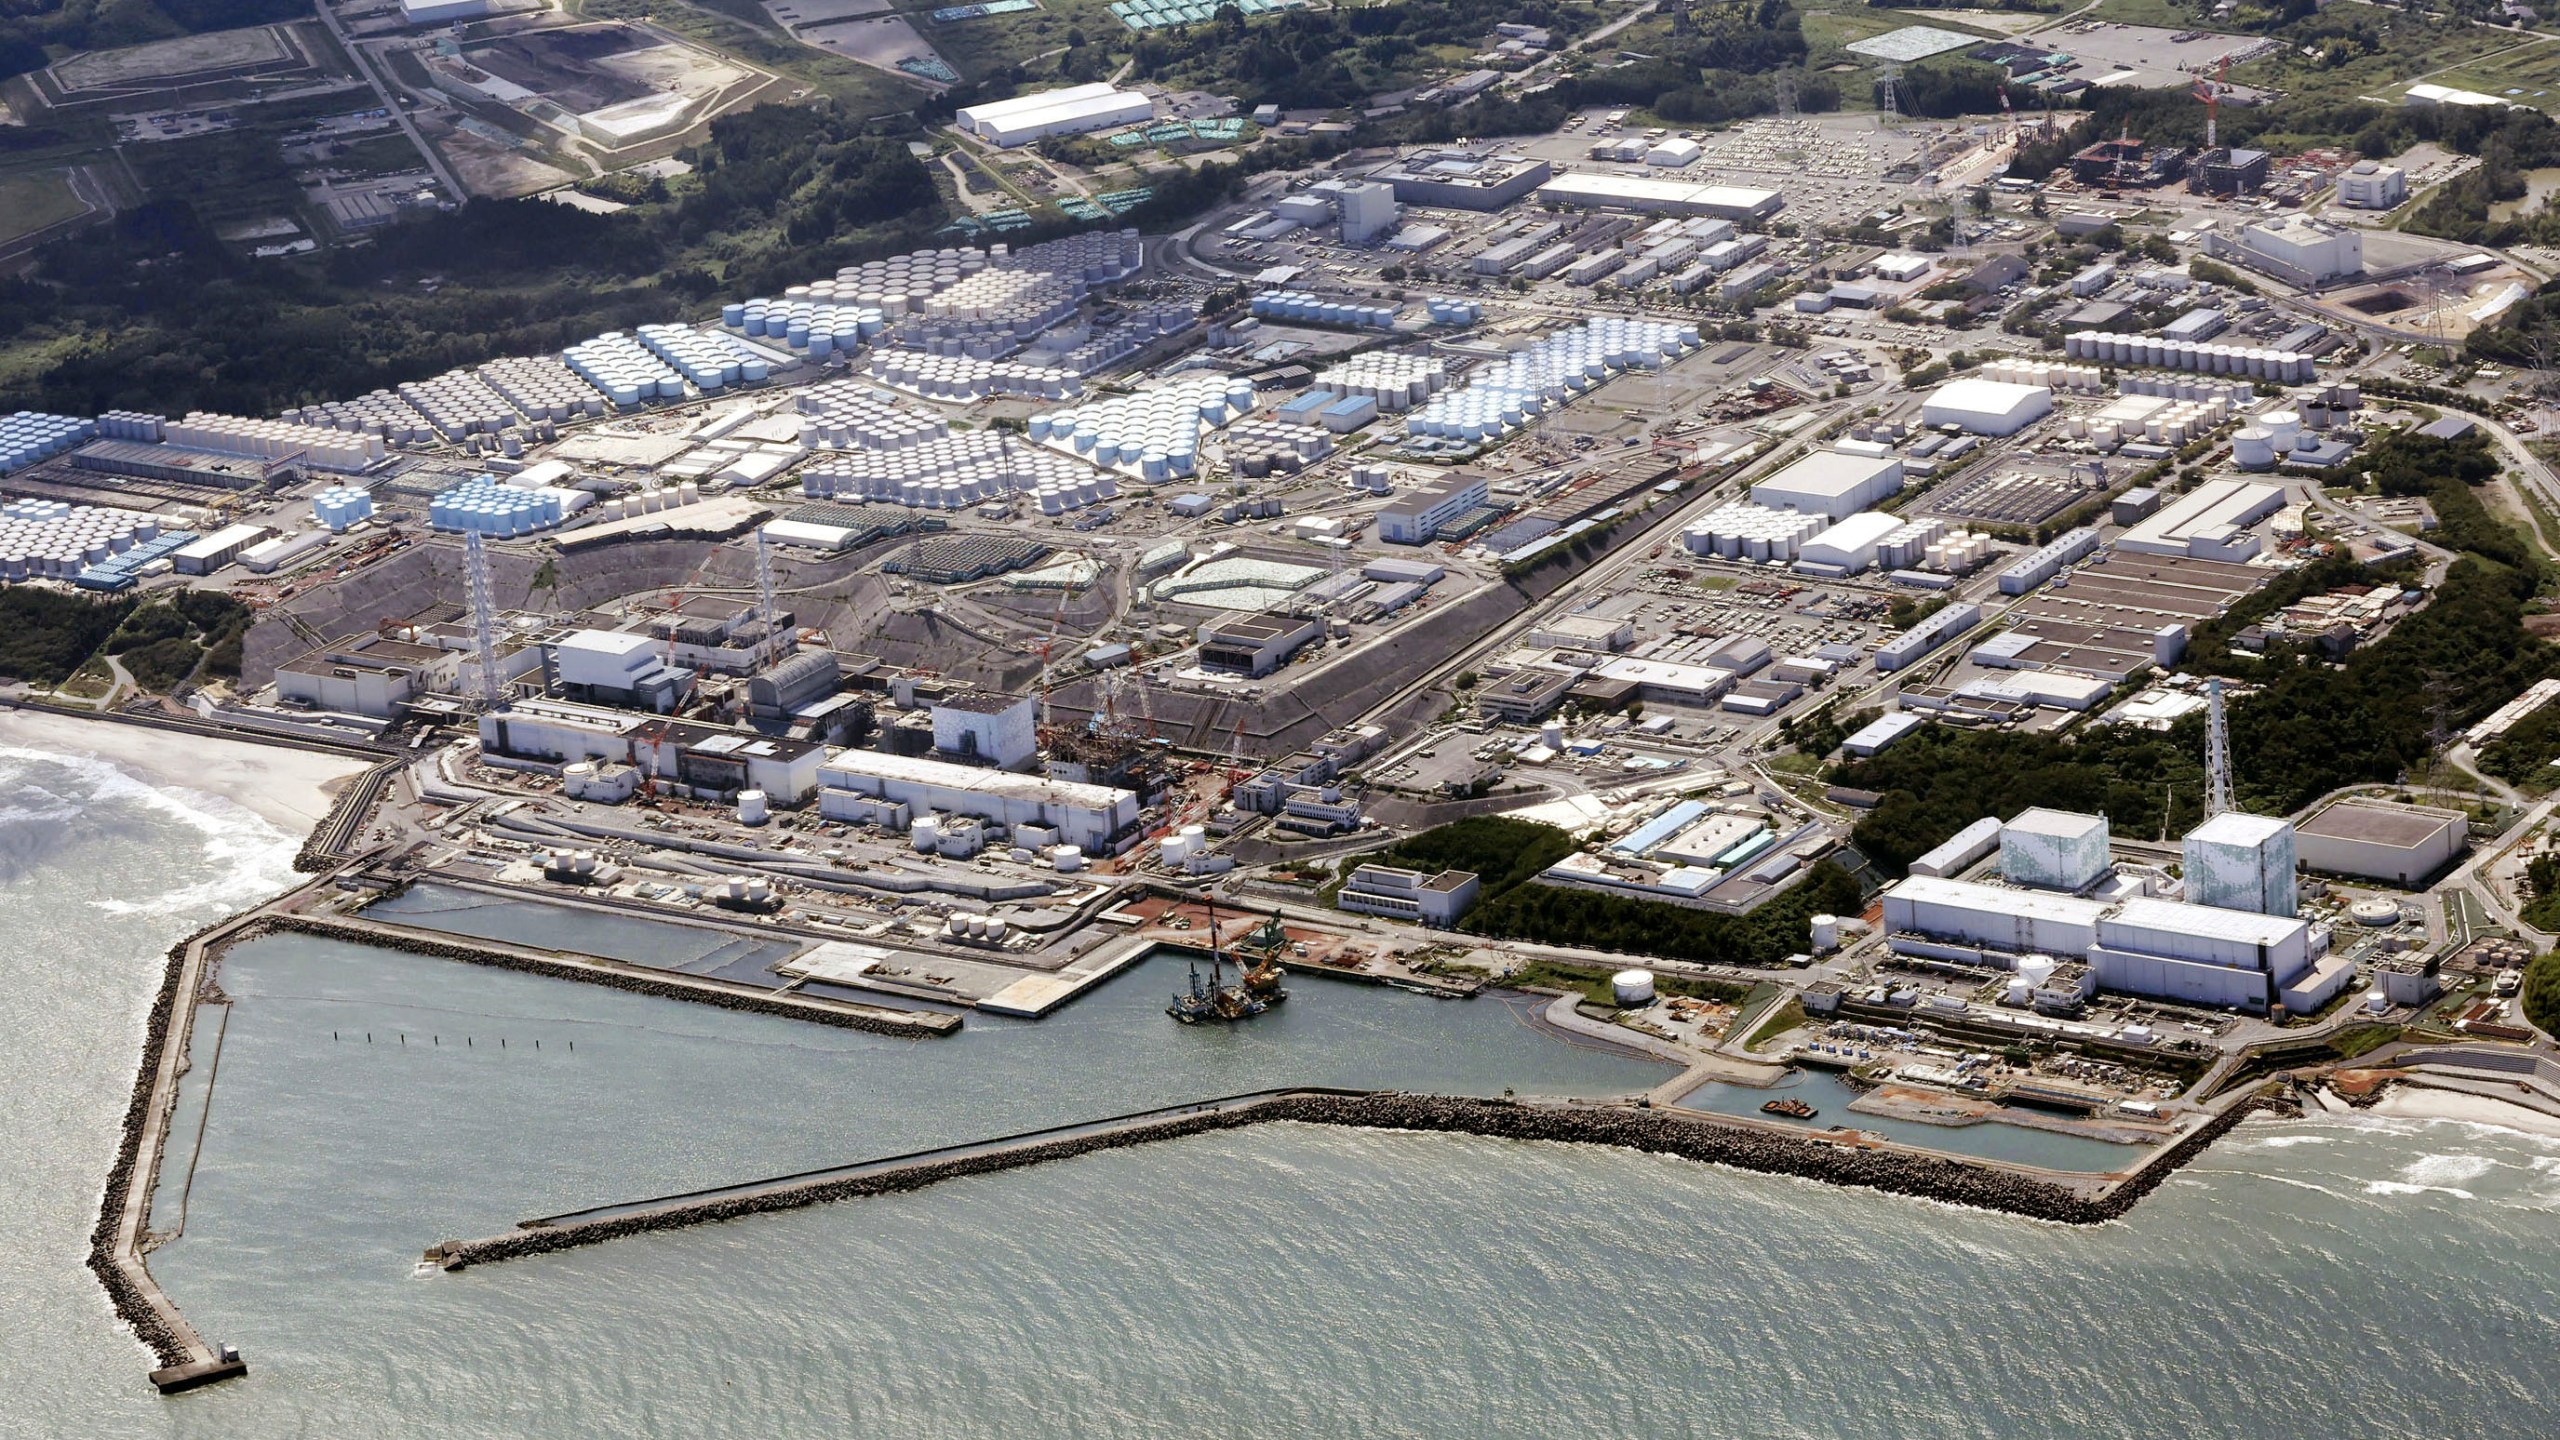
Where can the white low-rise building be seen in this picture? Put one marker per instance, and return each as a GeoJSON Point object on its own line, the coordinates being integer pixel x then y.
{"type": "Point", "coordinates": [1074, 110]}
{"type": "Point", "coordinates": [1434, 900]}
{"type": "Point", "coordinates": [900, 790]}
{"type": "Point", "coordinates": [1986, 407]}
{"type": "Point", "coordinates": [2372, 185]}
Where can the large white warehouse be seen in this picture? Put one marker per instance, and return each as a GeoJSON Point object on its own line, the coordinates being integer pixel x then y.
{"type": "Point", "coordinates": [1075, 110]}
{"type": "Point", "coordinates": [1987, 407]}
{"type": "Point", "coordinates": [1832, 485]}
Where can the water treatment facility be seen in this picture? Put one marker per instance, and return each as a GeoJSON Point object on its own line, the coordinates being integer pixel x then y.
{"type": "Point", "coordinates": [964, 635]}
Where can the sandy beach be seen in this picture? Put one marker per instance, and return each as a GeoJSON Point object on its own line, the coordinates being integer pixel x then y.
{"type": "Point", "coordinates": [290, 789]}
{"type": "Point", "coordinates": [2427, 1102]}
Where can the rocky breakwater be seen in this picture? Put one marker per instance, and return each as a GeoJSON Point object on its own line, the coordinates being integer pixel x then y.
{"type": "Point", "coordinates": [879, 1019]}
{"type": "Point", "coordinates": [1901, 1172]}
{"type": "Point", "coordinates": [151, 1324]}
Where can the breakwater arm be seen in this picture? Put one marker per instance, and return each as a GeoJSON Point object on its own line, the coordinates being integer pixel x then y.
{"type": "Point", "coordinates": [1654, 1130]}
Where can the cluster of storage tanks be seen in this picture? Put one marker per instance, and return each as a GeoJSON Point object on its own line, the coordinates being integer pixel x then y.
{"type": "Point", "coordinates": [52, 540]}
{"type": "Point", "coordinates": [541, 387]}
{"type": "Point", "coordinates": [900, 285]}
{"type": "Point", "coordinates": [1300, 306]}
{"type": "Point", "coordinates": [968, 377]}
{"type": "Point", "coordinates": [2269, 438]}
{"type": "Point", "coordinates": [380, 412]}
{"type": "Point", "coordinates": [955, 472]}
{"type": "Point", "coordinates": [341, 506]}
{"type": "Point", "coordinates": [1178, 847]}
{"type": "Point", "coordinates": [746, 890]}
{"type": "Point", "coordinates": [2289, 366]}
{"type": "Point", "coordinates": [1154, 434]}
{"type": "Point", "coordinates": [1446, 311]}
{"type": "Point", "coordinates": [709, 359]}
{"type": "Point", "coordinates": [1396, 382]}
{"type": "Point", "coordinates": [1744, 531]}
{"type": "Point", "coordinates": [821, 327]}
{"type": "Point", "coordinates": [970, 929]}
{"type": "Point", "coordinates": [647, 502]}
{"type": "Point", "coordinates": [994, 310]}
{"type": "Point", "coordinates": [2173, 424]}
{"type": "Point", "coordinates": [490, 506]}
{"type": "Point", "coordinates": [1256, 448]}
{"type": "Point", "coordinates": [132, 425]}
{"type": "Point", "coordinates": [841, 415]}
{"type": "Point", "coordinates": [1505, 395]}
{"type": "Point", "coordinates": [623, 370]}
{"type": "Point", "coordinates": [2082, 379]}
{"type": "Point", "coordinates": [459, 404]}
{"type": "Point", "coordinates": [2235, 394]}
{"type": "Point", "coordinates": [1951, 553]}
{"type": "Point", "coordinates": [30, 435]}
{"type": "Point", "coordinates": [276, 440]}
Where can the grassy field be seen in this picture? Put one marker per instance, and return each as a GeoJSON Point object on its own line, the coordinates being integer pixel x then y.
{"type": "Point", "coordinates": [2528, 75]}
{"type": "Point", "coordinates": [30, 201]}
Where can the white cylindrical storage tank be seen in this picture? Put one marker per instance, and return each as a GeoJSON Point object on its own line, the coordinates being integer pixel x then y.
{"type": "Point", "coordinates": [1067, 858]}
{"type": "Point", "coordinates": [2254, 448]}
{"type": "Point", "coordinates": [1632, 987]}
{"type": "Point", "coordinates": [925, 835]}
{"type": "Point", "coordinates": [752, 809]}
{"type": "Point", "coordinates": [1826, 933]}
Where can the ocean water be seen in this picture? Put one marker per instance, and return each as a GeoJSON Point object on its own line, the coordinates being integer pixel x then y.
{"type": "Point", "coordinates": [2330, 1276]}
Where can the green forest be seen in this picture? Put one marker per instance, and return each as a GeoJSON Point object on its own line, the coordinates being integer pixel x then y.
{"type": "Point", "coordinates": [1508, 854]}
{"type": "Point", "coordinates": [2313, 727]}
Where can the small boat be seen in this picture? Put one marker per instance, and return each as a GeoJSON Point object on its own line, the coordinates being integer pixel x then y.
{"type": "Point", "coordinates": [1791, 1107]}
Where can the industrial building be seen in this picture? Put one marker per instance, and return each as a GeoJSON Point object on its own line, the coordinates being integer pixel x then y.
{"type": "Point", "coordinates": [1074, 110]}
{"type": "Point", "coordinates": [1368, 211]}
{"type": "Point", "coordinates": [441, 12]}
{"type": "Point", "coordinates": [1986, 407]}
{"type": "Point", "coordinates": [1831, 484]}
{"type": "Point", "coordinates": [212, 552]}
{"type": "Point", "coordinates": [2238, 861]}
{"type": "Point", "coordinates": [377, 677]}
{"type": "Point", "coordinates": [901, 792]}
{"type": "Point", "coordinates": [2054, 850]}
{"type": "Point", "coordinates": [617, 667]}
{"type": "Point", "coordinates": [1960, 851]}
{"type": "Point", "coordinates": [1255, 645]}
{"type": "Point", "coordinates": [1416, 517]}
{"type": "Point", "coordinates": [1462, 179]}
{"type": "Point", "coordinates": [2403, 845]}
{"type": "Point", "coordinates": [1586, 191]}
{"type": "Point", "coordinates": [1400, 894]}
{"type": "Point", "coordinates": [980, 727]}
{"type": "Point", "coordinates": [1850, 546]}
{"type": "Point", "coordinates": [2142, 945]}
{"type": "Point", "coordinates": [2372, 185]}
{"type": "Point", "coordinates": [2298, 248]}
{"type": "Point", "coordinates": [2228, 170]}
{"type": "Point", "coordinates": [2209, 522]}
{"type": "Point", "coordinates": [708, 759]}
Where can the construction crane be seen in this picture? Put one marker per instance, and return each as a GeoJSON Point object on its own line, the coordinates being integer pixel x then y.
{"type": "Point", "coordinates": [2210, 92]}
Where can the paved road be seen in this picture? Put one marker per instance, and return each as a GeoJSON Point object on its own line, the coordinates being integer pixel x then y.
{"type": "Point", "coordinates": [391, 101]}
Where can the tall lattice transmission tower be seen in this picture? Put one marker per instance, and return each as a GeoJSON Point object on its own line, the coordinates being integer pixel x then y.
{"type": "Point", "coordinates": [1889, 97]}
{"type": "Point", "coordinates": [1785, 81]}
{"type": "Point", "coordinates": [2217, 754]}
{"type": "Point", "coordinates": [484, 615]}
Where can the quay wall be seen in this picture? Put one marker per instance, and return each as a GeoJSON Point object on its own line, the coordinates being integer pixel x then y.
{"type": "Point", "coordinates": [1955, 1182]}
{"type": "Point", "coordinates": [879, 1020]}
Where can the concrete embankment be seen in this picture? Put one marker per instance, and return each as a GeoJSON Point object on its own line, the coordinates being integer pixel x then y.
{"type": "Point", "coordinates": [334, 838]}
{"type": "Point", "coordinates": [727, 995]}
{"type": "Point", "coordinates": [1654, 1131]}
